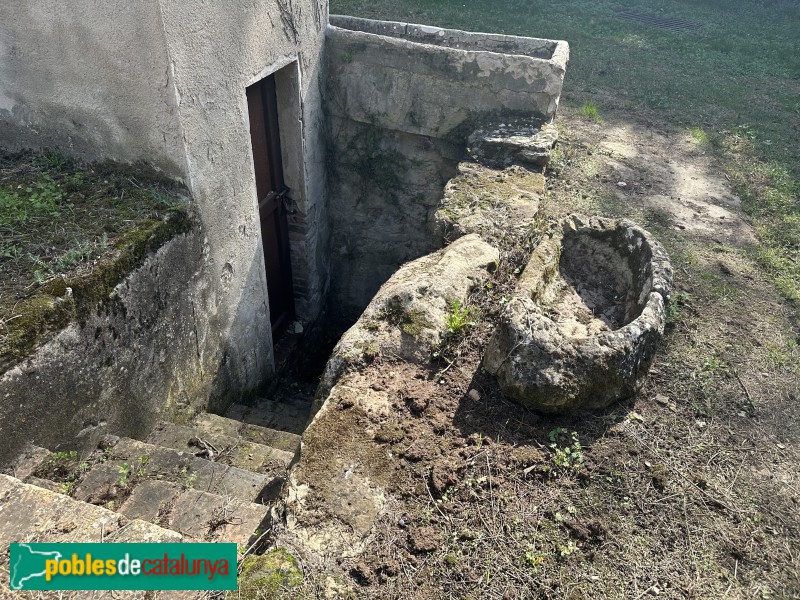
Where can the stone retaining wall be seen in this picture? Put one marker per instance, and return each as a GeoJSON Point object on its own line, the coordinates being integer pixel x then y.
{"type": "Point", "coordinates": [135, 359]}
{"type": "Point", "coordinates": [401, 101]}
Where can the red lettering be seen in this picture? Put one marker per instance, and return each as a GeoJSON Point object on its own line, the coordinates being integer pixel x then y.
{"type": "Point", "coordinates": [222, 567]}
{"type": "Point", "coordinates": [154, 570]}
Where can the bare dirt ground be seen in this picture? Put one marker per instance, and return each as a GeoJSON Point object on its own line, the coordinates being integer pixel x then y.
{"type": "Point", "coordinates": [689, 490]}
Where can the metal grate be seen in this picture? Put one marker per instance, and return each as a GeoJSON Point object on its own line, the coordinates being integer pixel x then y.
{"type": "Point", "coordinates": [669, 23]}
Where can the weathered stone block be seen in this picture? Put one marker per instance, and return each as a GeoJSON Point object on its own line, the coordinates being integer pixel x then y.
{"type": "Point", "coordinates": [407, 317]}
{"type": "Point", "coordinates": [522, 140]}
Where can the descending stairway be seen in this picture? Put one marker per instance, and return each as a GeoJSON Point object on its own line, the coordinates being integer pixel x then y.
{"type": "Point", "coordinates": [287, 409]}
{"type": "Point", "coordinates": [211, 480]}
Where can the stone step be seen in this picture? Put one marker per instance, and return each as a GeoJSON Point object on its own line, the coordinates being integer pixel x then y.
{"type": "Point", "coordinates": [264, 405]}
{"type": "Point", "coordinates": [25, 464]}
{"type": "Point", "coordinates": [32, 514]}
{"type": "Point", "coordinates": [271, 414]}
{"type": "Point", "coordinates": [129, 462]}
{"type": "Point", "coordinates": [221, 448]}
{"type": "Point", "coordinates": [287, 408]}
{"type": "Point", "coordinates": [211, 424]}
{"type": "Point", "coordinates": [198, 515]}
{"type": "Point", "coordinates": [53, 486]}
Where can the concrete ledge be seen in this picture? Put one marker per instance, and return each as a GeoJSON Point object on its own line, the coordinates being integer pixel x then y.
{"type": "Point", "coordinates": [428, 81]}
{"type": "Point", "coordinates": [455, 38]}
{"type": "Point", "coordinates": [133, 360]}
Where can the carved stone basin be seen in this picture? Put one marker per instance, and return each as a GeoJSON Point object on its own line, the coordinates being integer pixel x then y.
{"type": "Point", "coordinates": [589, 309]}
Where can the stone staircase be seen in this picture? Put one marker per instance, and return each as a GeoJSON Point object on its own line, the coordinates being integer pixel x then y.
{"type": "Point", "coordinates": [213, 479]}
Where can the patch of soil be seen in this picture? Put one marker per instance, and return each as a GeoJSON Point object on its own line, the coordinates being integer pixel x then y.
{"type": "Point", "coordinates": [423, 540]}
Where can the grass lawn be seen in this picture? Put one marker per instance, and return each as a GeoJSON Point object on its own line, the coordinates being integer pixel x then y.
{"type": "Point", "coordinates": [691, 489]}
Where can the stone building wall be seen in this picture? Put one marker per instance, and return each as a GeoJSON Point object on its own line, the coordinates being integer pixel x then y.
{"type": "Point", "coordinates": [217, 50]}
{"type": "Point", "coordinates": [164, 82]}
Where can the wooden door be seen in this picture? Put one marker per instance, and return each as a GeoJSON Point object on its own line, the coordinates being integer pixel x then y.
{"type": "Point", "coordinates": [265, 138]}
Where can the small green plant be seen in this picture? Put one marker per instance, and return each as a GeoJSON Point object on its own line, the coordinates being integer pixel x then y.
{"type": "Point", "coordinates": [63, 468]}
{"type": "Point", "coordinates": [38, 201]}
{"type": "Point", "coordinates": [187, 479]}
{"type": "Point", "coordinates": [80, 252]}
{"type": "Point", "coordinates": [166, 201]}
{"type": "Point", "coordinates": [533, 559]}
{"type": "Point", "coordinates": [52, 160]}
{"type": "Point", "coordinates": [143, 460]}
{"type": "Point", "coordinates": [567, 452]}
{"type": "Point", "coordinates": [458, 318]}
{"type": "Point", "coordinates": [42, 271]}
{"type": "Point", "coordinates": [63, 456]}
{"type": "Point", "coordinates": [784, 357]}
{"type": "Point", "coordinates": [714, 365]}
{"type": "Point", "coordinates": [699, 135]}
{"type": "Point", "coordinates": [590, 111]}
{"type": "Point", "coordinates": [676, 304]}
{"type": "Point", "coordinates": [123, 470]}
{"type": "Point", "coordinates": [567, 550]}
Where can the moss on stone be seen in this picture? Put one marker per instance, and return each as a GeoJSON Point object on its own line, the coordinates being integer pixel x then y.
{"type": "Point", "coordinates": [35, 317]}
{"type": "Point", "coordinates": [60, 301]}
{"type": "Point", "coordinates": [415, 321]}
{"type": "Point", "coordinates": [270, 575]}
{"type": "Point", "coordinates": [410, 320]}
{"type": "Point", "coordinates": [132, 248]}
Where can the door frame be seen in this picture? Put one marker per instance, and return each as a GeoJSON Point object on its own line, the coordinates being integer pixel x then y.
{"type": "Point", "coordinates": [288, 151]}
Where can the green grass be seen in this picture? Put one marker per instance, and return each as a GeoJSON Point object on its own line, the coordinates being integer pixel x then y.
{"type": "Point", "coordinates": [699, 135]}
{"type": "Point", "coordinates": [590, 111]}
{"type": "Point", "coordinates": [56, 215]}
{"type": "Point", "coordinates": [734, 85]}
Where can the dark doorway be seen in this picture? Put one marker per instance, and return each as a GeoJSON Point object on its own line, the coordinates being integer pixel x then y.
{"type": "Point", "coordinates": [265, 138]}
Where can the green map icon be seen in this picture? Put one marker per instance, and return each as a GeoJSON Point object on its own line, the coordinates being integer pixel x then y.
{"type": "Point", "coordinates": [28, 564]}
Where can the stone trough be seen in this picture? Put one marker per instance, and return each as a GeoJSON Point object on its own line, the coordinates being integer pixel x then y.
{"type": "Point", "coordinates": [589, 309]}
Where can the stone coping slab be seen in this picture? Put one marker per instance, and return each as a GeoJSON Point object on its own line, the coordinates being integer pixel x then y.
{"type": "Point", "coordinates": [438, 82]}
{"type": "Point", "coordinates": [455, 38]}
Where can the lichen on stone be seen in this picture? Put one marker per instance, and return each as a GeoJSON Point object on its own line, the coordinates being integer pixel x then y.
{"type": "Point", "coordinates": [270, 575]}
{"type": "Point", "coordinates": [410, 320]}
